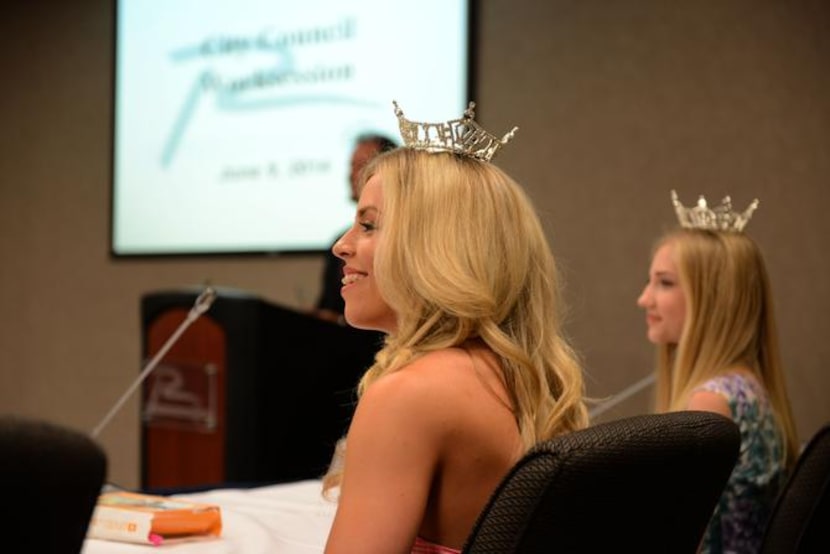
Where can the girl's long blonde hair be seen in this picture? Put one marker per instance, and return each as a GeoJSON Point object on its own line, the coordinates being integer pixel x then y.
{"type": "Point", "coordinates": [729, 323]}
{"type": "Point", "coordinates": [462, 255]}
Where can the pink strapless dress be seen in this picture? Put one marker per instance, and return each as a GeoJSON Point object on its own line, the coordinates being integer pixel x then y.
{"type": "Point", "coordinates": [425, 547]}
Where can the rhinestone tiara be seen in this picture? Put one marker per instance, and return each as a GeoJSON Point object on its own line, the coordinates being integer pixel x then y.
{"type": "Point", "coordinates": [720, 218]}
{"type": "Point", "coordinates": [460, 136]}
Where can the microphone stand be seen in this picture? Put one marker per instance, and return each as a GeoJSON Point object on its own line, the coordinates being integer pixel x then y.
{"type": "Point", "coordinates": [200, 306]}
{"type": "Point", "coordinates": [622, 395]}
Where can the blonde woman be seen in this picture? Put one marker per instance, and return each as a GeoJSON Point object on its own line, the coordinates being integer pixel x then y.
{"type": "Point", "coordinates": [709, 310]}
{"type": "Point", "coordinates": [447, 257]}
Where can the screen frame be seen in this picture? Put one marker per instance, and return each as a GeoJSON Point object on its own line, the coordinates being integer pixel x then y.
{"type": "Point", "coordinates": [471, 84]}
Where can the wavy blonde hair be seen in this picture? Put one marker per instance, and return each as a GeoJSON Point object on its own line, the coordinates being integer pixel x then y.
{"type": "Point", "coordinates": [463, 255]}
{"type": "Point", "coordinates": [729, 323]}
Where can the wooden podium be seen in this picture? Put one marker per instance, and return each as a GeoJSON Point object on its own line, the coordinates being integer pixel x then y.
{"type": "Point", "coordinates": [250, 393]}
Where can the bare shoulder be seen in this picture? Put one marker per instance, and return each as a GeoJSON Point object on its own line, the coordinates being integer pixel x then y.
{"type": "Point", "coordinates": [427, 381]}
{"type": "Point", "coordinates": [413, 408]}
{"type": "Point", "coordinates": [709, 401]}
{"type": "Point", "coordinates": [443, 365]}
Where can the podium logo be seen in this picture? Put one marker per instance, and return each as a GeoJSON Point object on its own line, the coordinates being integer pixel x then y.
{"type": "Point", "coordinates": [182, 396]}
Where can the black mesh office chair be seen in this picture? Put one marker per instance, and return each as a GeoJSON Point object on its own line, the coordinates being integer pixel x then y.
{"type": "Point", "coordinates": [800, 520]}
{"type": "Point", "coordinates": [641, 484]}
{"type": "Point", "coordinates": [50, 478]}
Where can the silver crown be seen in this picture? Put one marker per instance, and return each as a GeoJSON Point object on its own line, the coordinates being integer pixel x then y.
{"type": "Point", "coordinates": [721, 218]}
{"type": "Point", "coordinates": [461, 136]}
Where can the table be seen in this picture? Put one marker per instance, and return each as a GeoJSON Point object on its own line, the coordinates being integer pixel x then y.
{"type": "Point", "coordinates": [291, 518]}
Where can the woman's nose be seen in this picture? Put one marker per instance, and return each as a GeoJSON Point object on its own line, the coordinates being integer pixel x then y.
{"type": "Point", "coordinates": [343, 247]}
{"type": "Point", "coordinates": [644, 298]}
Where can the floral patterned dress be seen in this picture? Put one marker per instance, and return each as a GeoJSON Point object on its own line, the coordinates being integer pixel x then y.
{"type": "Point", "coordinates": [737, 525]}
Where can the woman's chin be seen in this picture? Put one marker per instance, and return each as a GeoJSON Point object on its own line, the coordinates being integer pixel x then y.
{"type": "Point", "coordinates": [654, 338]}
{"type": "Point", "coordinates": [369, 317]}
{"type": "Point", "coordinates": [355, 320]}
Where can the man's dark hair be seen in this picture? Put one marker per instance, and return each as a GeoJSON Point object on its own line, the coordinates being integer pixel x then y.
{"type": "Point", "coordinates": [384, 143]}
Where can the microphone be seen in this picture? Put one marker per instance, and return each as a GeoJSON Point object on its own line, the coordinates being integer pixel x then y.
{"type": "Point", "coordinates": [622, 395]}
{"type": "Point", "coordinates": [200, 306]}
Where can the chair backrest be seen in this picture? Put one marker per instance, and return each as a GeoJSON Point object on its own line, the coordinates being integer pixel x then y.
{"type": "Point", "coordinates": [642, 484]}
{"type": "Point", "coordinates": [50, 479]}
{"type": "Point", "coordinates": [800, 519]}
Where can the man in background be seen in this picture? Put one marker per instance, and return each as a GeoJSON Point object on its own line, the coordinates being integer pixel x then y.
{"type": "Point", "coordinates": [330, 304]}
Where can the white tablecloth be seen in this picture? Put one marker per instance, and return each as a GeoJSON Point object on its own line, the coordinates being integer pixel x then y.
{"type": "Point", "coordinates": [291, 518]}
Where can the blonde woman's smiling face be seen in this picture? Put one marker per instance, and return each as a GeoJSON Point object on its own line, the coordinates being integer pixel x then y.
{"type": "Point", "coordinates": [663, 299]}
{"type": "Point", "coordinates": [365, 307]}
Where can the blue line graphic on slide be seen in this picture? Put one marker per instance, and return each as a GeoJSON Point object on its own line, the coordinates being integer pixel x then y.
{"type": "Point", "coordinates": [229, 92]}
